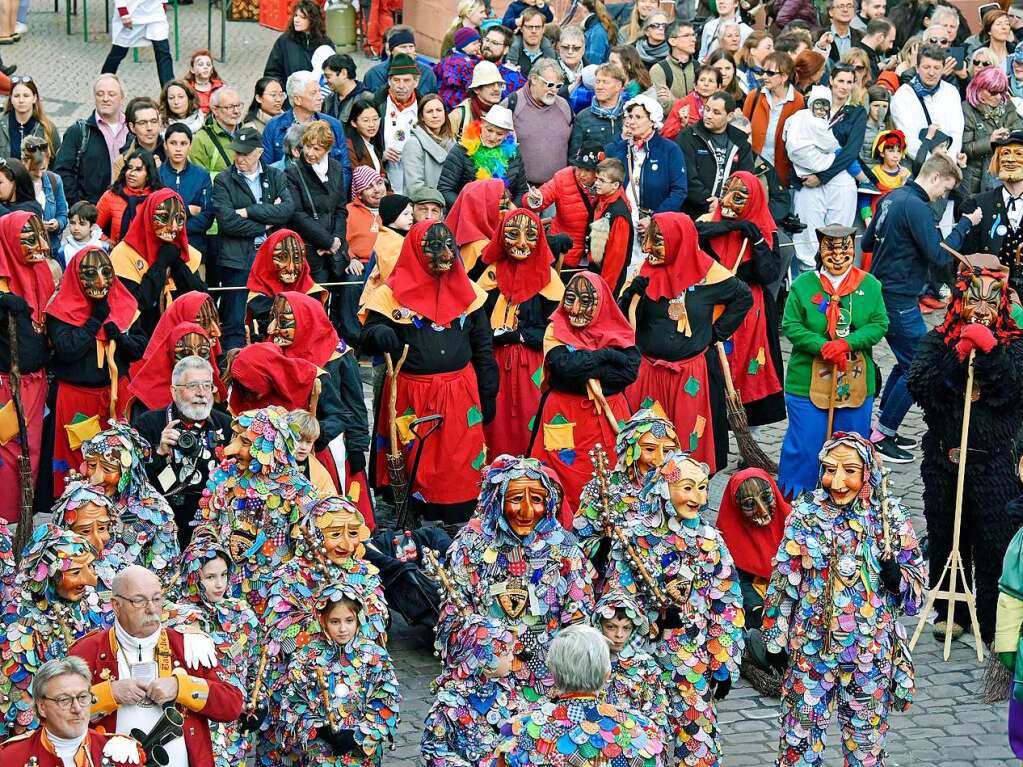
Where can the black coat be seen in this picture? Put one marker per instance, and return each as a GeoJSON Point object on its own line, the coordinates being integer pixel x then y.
{"type": "Point", "coordinates": [88, 178]}
{"type": "Point", "coordinates": [458, 171]}
{"type": "Point", "coordinates": [992, 234]}
{"type": "Point", "coordinates": [292, 52]}
{"type": "Point", "coordinates": [320, 214]}
{"type": "Point", "coordinates": [237, 234]}
{"type": "Point", "coordinates": [701, 164]}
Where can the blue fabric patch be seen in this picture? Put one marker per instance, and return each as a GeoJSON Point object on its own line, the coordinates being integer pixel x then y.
{"type": "Point", "coordinates": [566, 456]}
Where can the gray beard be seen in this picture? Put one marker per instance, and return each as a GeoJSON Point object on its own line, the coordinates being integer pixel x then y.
{"type": "Point", "coordinates": [195, 412]}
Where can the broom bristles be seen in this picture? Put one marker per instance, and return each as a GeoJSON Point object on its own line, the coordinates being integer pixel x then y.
{"type": "Point", "coordinates": [750, 451]}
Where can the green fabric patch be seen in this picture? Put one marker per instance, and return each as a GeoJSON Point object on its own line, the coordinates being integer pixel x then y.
{"type": "Point", "coordinates": [79, 417]}
{"type": "Point", "coordinates": [647, 403]}
{"type": "Point", "coordinates": [480, 459]}
{"type": "Point", "coordinates": [692, 387]}
{"type": "Point", "coordinates": [754, 367]}
{"type": "Point", "coordinates": [558, 420]}
{"type": "Point", "coordinates": [409, 411]}
{"type": "Point", "coordinates": [537, 377]}
{"type": "Point", "coordinates": [694, 442]}
{"type": "Point", "coordinates": [532, 423]}
{"type": "Point", "coordinates": [474, 416]}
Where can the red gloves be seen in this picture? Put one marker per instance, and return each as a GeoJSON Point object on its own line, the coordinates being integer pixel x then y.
{"type": "Point", "coordinates": [974, 336]}
{"type": "Point", "coordinates": [836, 353]}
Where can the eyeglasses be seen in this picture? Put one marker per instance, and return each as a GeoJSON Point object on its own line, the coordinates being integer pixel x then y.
{"type": "Point", "coordinates": [842, 68]}
{"type": "Point", "coordinates": [942, 41]}
{"type": "Point", "coordinates": [982, 63]}
{"type": "Point", "coordinates": [137, 602]}
{"type": "Point", "coordinates": [533, 27]}
{"type": "Point", "coordinates": [657, 25]}
{"type": "Point", "coordinates": [859, 67]}
{"type": "Point", "coordinates": [84, 700]}
{"type": "Point", "coordinates": [230, 107]}
{"type": "Point", "coordinates": [21, 79]}
{"type": "Point", "coordinates": [566, 47]}
{"type": "Point", "coordinates": [194, 387]}
{"type": "Point", "coordinates": [154, 122]}
{"type": "Point", "coordinates": [757, 71]}
{"type": "Point", "coordinates": [549, 85]}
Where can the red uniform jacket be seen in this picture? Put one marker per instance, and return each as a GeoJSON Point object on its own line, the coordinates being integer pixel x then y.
{"type": "Point", "coordinates": [202, 694]}
{"type": "Point", "coordinates": [17, 751]}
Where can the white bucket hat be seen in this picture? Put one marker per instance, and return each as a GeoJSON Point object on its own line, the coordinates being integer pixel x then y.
{"type": "Point", "coordinates": [485, 73]}
{"type": "Point", "coordinates": [500, 117]}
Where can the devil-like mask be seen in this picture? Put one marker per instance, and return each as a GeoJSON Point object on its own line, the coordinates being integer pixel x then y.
{"type": "Point", "coordinates": [192, 344]}
{"type": "Point", "coordinates": [837, 254]}
{"type": "Point", "coordinates": [982, 298]}
{"type": "Point", "coordinates": [96, 274]}
{"type": "Point", "coordinates": [282, 322]}
{"type": "Point", "coordinates": [521, 235]}
{"type": "Point", "coordinates": [580, 302]}
{"type": "Point", "coordinates": [169, 219]}
{"type": "Point", "coordinates": [288, 255]}
{"type": "Point", "coordinates": [35, 244]}
{"type": "Point", "coordinates": [209, 319]}
{"type": "Point", "coordinates": [439, 248]}
{"type": "Point", "coordinates": [756, 500]}
{"type": "Point", "coordinates": [653, 244]}
{"type": "Point", "coordinates": [734, 197]}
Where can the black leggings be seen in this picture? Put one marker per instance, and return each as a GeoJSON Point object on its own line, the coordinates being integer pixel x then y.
{"type": "Point", "coordinates": [164, 61]}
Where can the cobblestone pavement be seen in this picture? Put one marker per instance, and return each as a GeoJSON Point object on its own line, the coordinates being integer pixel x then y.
{"type": "Point", "coordinates": [946, 726]}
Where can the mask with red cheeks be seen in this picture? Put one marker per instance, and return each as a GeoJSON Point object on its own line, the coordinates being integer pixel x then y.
{"type": "Point", "coordinates": [288, 256]}
{"type": "Point", "coordinates": [521, 235]}
{"type": "Point", "coordinates": [169, 219]}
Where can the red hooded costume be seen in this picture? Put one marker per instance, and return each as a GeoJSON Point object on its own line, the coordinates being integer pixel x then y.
{"type": "Point", "coordinates": [475, 217]}
{"type": "Point", "coordinates": [752, 547]}
{"type": "Point", "coordinates": [315, 340]}
{"type": "Point", "coordinates": [270, 378]}
{"type": "Point", "coordinates": [264, 278]}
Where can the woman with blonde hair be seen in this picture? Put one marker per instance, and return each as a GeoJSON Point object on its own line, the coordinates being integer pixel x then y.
{"type": "Point", "coordinates": [640, 12]}
{"type": "Point", "coordinates": [471, 14]}
{"type": "Point", "coordinates": [858, 60]}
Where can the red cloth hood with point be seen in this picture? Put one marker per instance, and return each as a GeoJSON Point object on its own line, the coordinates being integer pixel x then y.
{"type": "Point", "coordinates": [263, 278]}
{"type": "Point", "coordinates": [752, 548]}
{"type": "Point", "coordinates": [74, 307]}
{"type": "Point", "coordinates": [270, 379]}
{"type": "Point", "coordinates": [684, 263]}
{"type": "Point", "coordinates": [519, 281]}
{"type": "Point", "coordinates": [476, 212]}
{"type": "Point", "coordinates": [33, 282]}
{"type": "Point", "coordinates": [140, 235]}
{"type": "Point", "coordinates": [727, 246]}
{"type": "Point", "coordinates": [316, 340]}
{"type": "Point", "coordinates": [608, 327]}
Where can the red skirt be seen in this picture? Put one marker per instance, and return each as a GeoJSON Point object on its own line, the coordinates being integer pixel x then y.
{"type": "Point", "coordinates": [518, 399]}
{"type": "Point", "coordinates": [449, 470]}
{"type": "Point", "coordinates": [33, 403]}
{"type": "Point", "coordinates": [365, 506]}
{"type": "Point", "coordinates": [682, 390]}
{"type": "Point", "coordinates": [571, 425]}
{"type": "Point", "coordinates": [749, 354]}
{"type": "Point", "coordinates": [88, 401]}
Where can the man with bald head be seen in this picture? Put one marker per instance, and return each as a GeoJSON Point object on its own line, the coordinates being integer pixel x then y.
{"type": "Point", "coordinates": [140, 667]}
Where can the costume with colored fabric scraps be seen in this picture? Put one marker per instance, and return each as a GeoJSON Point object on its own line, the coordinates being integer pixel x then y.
{"type": "Point", "coordinates": [463, 726]}
{"type": "Point", "coordinates": [584, 367]}
{"type": "Point", "coordinates": [66, 512]}
{"type": "Point", "coordinates": [144, 531]}
{"type": "Point", "coordinates": [522, 291]}
{"type": "Point", "coordinates": [25, 289]}
{"type": "Point", "coordinates": [449, 371]}
{"type": "Point", "coordinates": [701, 637]}
{"type": "Point", "coordinates": [636, 682]}
{"type": "Point", "coordinates": [754, 350]}
{"type": "Point", "coordinates": [267, 279]}
{"type": "Point", "coordinates": [360, 696]}
{"type": "Point", "coordinates": [537, 582]}
{"type": "Point", "coordinates": [235, 631]}
{"type": "Point", "coordinates": [675, 328]}
{"type": "Point", "coordinates": [1009, 623]}
{"type": "Point", "coordinates": [251, 508]}
{"type": "Point", "coordinates": [43, 620]}
{"type": "Point", "coordinates": [93, 343]}
{"type": "Point", "coordinates": [833, 608]}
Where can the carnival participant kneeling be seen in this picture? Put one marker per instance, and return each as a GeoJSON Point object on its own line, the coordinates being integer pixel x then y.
{"type": "Point", "coordinates": [139, 669]}
{"type": "Point", "coordinates": [62, 697]}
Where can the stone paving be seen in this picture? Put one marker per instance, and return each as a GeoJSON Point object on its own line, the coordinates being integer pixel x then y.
{"type": "Point", "coordinates": [946, 727]}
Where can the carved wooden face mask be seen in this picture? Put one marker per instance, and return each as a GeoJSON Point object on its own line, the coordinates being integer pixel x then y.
{"type": "Point", "coordinates": [169, 219]}
{"type": "Point", "coordinates": [439, 248]}
{"type": "Point", "coordinates": [209, 319]}
{"type": "Point", "coordinates": [580, 302]}
{"type": "Point", "coordinates": [75, 581]}
{"type": "Point", "coordinates": [282, 322]}
{"type": "Point", "coordinates": [653, 244]}
{"type": "Point", "coordinates": [96, 274]}
{"type": "Point", "coordinates": [982, 298]}
{"type": "Point", "coordinates": [688, 488]}
{"type": "Point", "coordinates": [734, 198]}
{"type": "Point", "coordinates": [1010, 162]}
{"type": "Point", "coordinates": [843, 474]}
{"type": "Point", "coordinates": [524, 502]}
{"type": "Point", "coordinates": [756, 501]}
{"type": "Point", "coordinates": [521, 235]}
{"type": "Point", "coordinates": [192, 344]}
{"type": "Point", "coordinates": [837, 255]}
{"type": "Point", "coordinates": [35, 244]}
{"type": "Point", "coordinates": [288, 256]}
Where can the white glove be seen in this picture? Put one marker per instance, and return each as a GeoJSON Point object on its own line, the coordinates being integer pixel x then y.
{"type": "Point", "coordinates": [122, 750]}
{"type": "Point", "coordinates": [199, 651]}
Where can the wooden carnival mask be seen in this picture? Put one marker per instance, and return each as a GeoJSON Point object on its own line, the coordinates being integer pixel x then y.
{"type": "Point", "coordinates": [208, 318]}
{"type": "Point", "coordinates": [92, 522]}
{"type": "Point", "coordinates": [524, 503]}
{"type": "Point", "coordinates": [687, 483]}
{"type": "Point", "coordinates": [756, 501]}
{"type": "Point", "coordinates": [837, 254]}
{"type": "Point", "coordinates": [288, 256]}
{"type": "Point", "coordinates": [986, 285]}
{"type": "Point", "coordinates": [282, 323]}
{"type": "Point", "coordinates": [192, 344]}
{"type": "Point", "coordinates": [343, 534]}
{"type": "Point", "coordinates": [104, 473]}
{"type": "Point", "coordinates": [580, 302]}
{"type": "Point", "coordinates": [96, 274]}
{"type": "Point", "coordinates": [439, 248]}
{"type": "Point", "coordinates": [734, 197]}
{"type": "Point", "coordinates": [74, 581]}
{"type": "Point", "coordinates": [521, 235]}
{"type": "Point", "coordinates": [1007, 162]}
{"type": "Point", "coordinates": [843, 474]}
{"type": "Point", "coordinates": [652, 450]}
{"type": "Point", "coordinates": [169, 219]}
{"type": "Point", "coordinates": [35, 244]}
{"type": "Point", "coordinates": [653, 243]}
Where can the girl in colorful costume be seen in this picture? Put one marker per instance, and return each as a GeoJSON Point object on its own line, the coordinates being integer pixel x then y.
{"type": "Point", "coordinates": [590, 357]}
{"type": "Point", "coordinates": [144, 531]}
{"type": "Point", "coordinates": [55, 604]}
{"type": "Point", "coordinates": [692, 596]}
{"type": "Point", "coordinates": [513, 561]}
{"type": "Point", "coordinates": [202, 602]}
{"type": "Point", "coordinates": [339, 699]}
{"type": "Point", "coordinates": [848, 566]}
{"type": "Point", "coordinates": [474, 695]}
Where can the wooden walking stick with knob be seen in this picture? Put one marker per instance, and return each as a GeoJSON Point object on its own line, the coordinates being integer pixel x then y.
{"type": "Point", "coordinates": [24, 531]}
{"type": "Point", "coordinates": [831, 401]}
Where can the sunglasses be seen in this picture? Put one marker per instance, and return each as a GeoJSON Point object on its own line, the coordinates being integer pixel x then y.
{"type": "Point", "coordinates": [548, 84]}
{"type": "Point", "coordinates": [566, 47]}
{"type": "Point", "coordinates": [757, 71]}
{"type": "Point", "coordinates": [21, 79]}
{"type": "Point", "coordinates": [657, 25]}
{"type": "Point", "coordinates": [771, 72]}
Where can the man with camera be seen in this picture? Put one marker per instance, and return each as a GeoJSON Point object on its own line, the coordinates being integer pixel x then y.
{"type": "Point", "coordinates": [187, 433]}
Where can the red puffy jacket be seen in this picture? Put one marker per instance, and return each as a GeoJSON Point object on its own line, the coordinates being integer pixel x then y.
{"type": "Point", "coordinates": [573, 215]}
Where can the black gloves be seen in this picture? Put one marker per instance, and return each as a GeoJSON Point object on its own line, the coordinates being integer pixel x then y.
{"type": "Point", "coordinates": [671, 618]}
{"type": "Point", "coordinates": [489, 405]}
{"type": "Point", "coordinates": [779, 661]}
{"type": "Point", "coordinates": [111, 330]}
{"type": "Point", "coordinates": [101, 309]}
{"type": "Point", "coordinates": [250, 721]}
{"type": "Point", "coordinates": [384, 338]}
{"type": "Point", "coordinates": [792, 224]}
{"type": "Point", "coordinates": [559, 244]}
{"type": "Point", "coordinates": [14, 304]}
{"type": "Point", "coordinates": [341, 743]}
{"type": "Point", "coordinates": [507, 338]}
{"type": "Point", "coordinates": [166, 255]}
{"type": "Point", "coordinates": [636, 288]}
{"type": "Point", "coordinates": [356, 462]}
{"type": "Point", "coordinates": [613, 356]}
{"type": "Point", "coordinates": [750, 231]}
{"type": "Point", "coordinates": [891, 575]}
{"type": "Point", "coordinates": [720, 688]}
{"type": "Point", "coordinates": [712, 229]}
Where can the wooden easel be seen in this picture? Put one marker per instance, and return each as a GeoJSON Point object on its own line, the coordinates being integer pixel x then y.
{"type": "Point", "coordinates": [954, 565]}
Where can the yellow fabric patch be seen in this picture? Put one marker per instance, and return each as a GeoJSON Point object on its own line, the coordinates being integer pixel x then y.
{"type": "Point", "coordinates": [80, 432]}
{"type": "Point", "coordinates": [559, 436]}
{"type": "Point", "coordinates": [8, 423]}
{"type": "Point", "coordinates": [403, 422]}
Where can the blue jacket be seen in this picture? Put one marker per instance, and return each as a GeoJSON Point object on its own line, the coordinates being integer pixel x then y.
{"type": "Point", "coordinates": [662, 182]}
{"type": "Point", "coordinates": [515, 9]}
{"type": "Point", "coordinates": [273, 142]}
{"type": "Point", "coordinates": [598, 47]}
{"type": "Point", "coordinates": [905, 240]}
{"type": "Point", "coordinates": [376, 77]}
{"type": "Point", "coordinates": [848, 128]}
{"type": "Point", "coordinates": [195, 188]}
{"type": "Point", "coordinates": [56, 206]}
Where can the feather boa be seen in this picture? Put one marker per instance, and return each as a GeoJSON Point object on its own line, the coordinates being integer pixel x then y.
{"type": "Point", "coordinates": [490, 162]}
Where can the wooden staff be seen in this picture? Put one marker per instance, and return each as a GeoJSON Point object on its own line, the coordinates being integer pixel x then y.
{"type": "Point", "coordinates": [831, 401]}
{"type": "Point", "coordinates": [24, 531]}
{"type": "Point", "coordinates": [598, 395]}
{"type": "Point", "coordinates": [396, 469]}
{"type": "Point", "coordinates": [321, 681]}
{"type": "Point", "coordinates": [887, 549]}
{"type": "Point", "coordinates": [257, 687]}
{"type": "Point", "coordinates": [437, 571]}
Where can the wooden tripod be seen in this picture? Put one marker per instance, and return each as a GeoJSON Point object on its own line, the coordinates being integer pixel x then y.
{"type": "Point", "coordinates": [958, 590]}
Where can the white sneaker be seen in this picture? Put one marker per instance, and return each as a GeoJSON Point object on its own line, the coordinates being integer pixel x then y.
{"type": "Point", "coordinates": [20, 29]}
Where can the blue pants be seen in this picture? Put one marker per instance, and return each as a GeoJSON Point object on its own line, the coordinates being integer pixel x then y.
{"type": "Point", "coordinates": [798, 467]}
{"type": "Point", "coordinates": [232, 307]}
{"type": "Point", "coordinates": [905, 329]}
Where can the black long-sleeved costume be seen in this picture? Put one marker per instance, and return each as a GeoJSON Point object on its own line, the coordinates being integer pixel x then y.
{"type": "Point", "coordinates": [33, 347]}
{"type": "Point", "coordinates": [351, 414]}
{"type": "Point", "coordinates": [532, 319]}
{"type": "Point", "coordinates": [257, 316]}
{"type": "Point", "coordinates": [937, 383]}
{"type": "Point", "coordinates": [569, 370]}
{"type": "Point", "coordinates": [74, 351]}
{"type": "Point", "coordinates": [148, 291]}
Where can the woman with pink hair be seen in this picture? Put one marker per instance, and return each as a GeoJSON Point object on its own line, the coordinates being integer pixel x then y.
{"type": "Point", "coordinates": [990, 116]}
